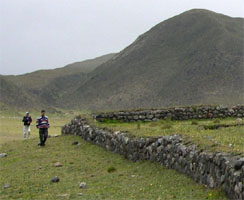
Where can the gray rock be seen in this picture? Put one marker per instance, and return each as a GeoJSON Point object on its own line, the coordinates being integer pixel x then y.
{"type": "Point", "coordinates": [238, 164]}
{"type": "Point", "coordinates": [239, 121]}
{"type": "Point", "coordinates": [80, 194]}
{"type": "Point", "coordinates": [2, 155]}
{"type": "Point", "coordinates": [83, 185]}
{"type": "Point", "coordinates": [136, 117]}
{"type": "Point", "coordinates": [7, 186]}
{"type": "Point", "coordinates": [63, 195]}
{"type": "Point", "coordinates": [55, 179]}
{"type": "Point", "coordinates": [58, 164]}
{"type": "Point", "coordinates": [211, 182]}
{"type": "Point", "coordinates": [125, 140]}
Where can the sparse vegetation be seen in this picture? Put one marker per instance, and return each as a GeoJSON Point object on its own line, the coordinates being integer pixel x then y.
{"type": "Point", "coordinates": [211, 126]}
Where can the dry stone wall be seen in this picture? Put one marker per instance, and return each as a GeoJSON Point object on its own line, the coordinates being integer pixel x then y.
{"type": "Point", "coordinates": [179, 113]}
{"type": "Point", "coordinates": [216, 170]}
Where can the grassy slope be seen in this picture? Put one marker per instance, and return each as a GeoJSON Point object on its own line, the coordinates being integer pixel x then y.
{"type": "Point", "coordinates": [29, 168]}
{"type": "Point", "coordinates": [32, 80]}
{"type": "Point", "coordinates": [14, 96]}
{"type": "Point", "coordinates": [192, 58]}
{"type": "Point", "coordinates": [214, 140]}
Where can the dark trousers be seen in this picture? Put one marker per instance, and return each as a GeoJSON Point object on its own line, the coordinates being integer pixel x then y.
{"type": "Point", "coordinates": [43, 133]}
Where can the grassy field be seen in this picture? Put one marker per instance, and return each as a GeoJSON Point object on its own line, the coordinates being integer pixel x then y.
{"type": "Point", "coordinates": [229, 139]}
{"type": "Point", "coordinates": [29, 168]}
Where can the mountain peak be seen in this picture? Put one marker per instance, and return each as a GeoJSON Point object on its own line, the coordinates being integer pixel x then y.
{"type": "Point", "coordinates": [192, 58]}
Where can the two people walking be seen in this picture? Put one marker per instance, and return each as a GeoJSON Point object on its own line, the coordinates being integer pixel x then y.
{"type": "Point", "coordinates": [42, 124]}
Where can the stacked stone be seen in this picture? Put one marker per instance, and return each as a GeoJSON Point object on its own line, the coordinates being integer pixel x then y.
{"type": "Point", "coordinates": [212, 169]}
{"type": "Point", "coordinates": [179, 113]}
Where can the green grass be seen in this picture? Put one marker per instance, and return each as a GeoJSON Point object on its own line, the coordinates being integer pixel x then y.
{"type": "Point", "coordinates": [29, 169]}
{"type": "Point", "coordinates": [229, 139]}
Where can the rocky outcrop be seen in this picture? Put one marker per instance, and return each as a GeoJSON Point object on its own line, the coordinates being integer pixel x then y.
{"type": "Point", "coordinates": [216, 170]}
{"type": "Point", "coordinates": [179, 113]}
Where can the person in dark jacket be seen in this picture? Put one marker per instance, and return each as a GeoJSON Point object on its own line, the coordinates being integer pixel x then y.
{"type": "Point", "coordinates": [27, 122]}
{"type": "Point", "coordinates": [43, 125]}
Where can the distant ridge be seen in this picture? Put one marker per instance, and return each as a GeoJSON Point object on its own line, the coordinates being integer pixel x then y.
{"type": "Point", "coordinates": [44, 87]}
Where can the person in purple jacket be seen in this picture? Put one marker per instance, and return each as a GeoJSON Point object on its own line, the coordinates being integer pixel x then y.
{"type": "Point", "coordinates": [43, 125]}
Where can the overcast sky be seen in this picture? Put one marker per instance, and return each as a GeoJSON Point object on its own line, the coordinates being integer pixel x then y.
{"type": "Point", "coordinates": [44, 34]}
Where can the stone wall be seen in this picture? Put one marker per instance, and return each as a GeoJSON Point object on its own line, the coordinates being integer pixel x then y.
{"type": "Point", "coordinates": [212, 169]}
{"type": "Point", "coordinates": [179, 113]}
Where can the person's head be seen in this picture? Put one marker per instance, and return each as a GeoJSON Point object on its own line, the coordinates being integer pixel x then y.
{"type": "Point", "coordinates": [27, 114]}
{"type": "Point", "coordinates": [43, 112]}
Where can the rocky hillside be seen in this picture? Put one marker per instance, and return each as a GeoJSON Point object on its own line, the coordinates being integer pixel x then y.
{"type": "Point", "coordinates": [193, 58]}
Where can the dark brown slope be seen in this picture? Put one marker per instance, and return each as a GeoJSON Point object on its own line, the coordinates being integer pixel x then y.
{"type": "Point", "coordinates": [192, 58]}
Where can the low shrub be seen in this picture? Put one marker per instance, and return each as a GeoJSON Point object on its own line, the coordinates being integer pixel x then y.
{"type": "Point", "coordinates": [194, 108]}
{"type": "Point", "coordinates": [111, 169]}
{"type": "Point", "coordinates": [211, 126]}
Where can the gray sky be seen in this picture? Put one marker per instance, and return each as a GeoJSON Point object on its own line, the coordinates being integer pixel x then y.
{"type": "Point", "coordinates": [44, 34]}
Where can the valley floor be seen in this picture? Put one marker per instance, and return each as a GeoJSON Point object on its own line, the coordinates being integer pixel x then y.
{"type": "Point", "coordinates": [29, 168]}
